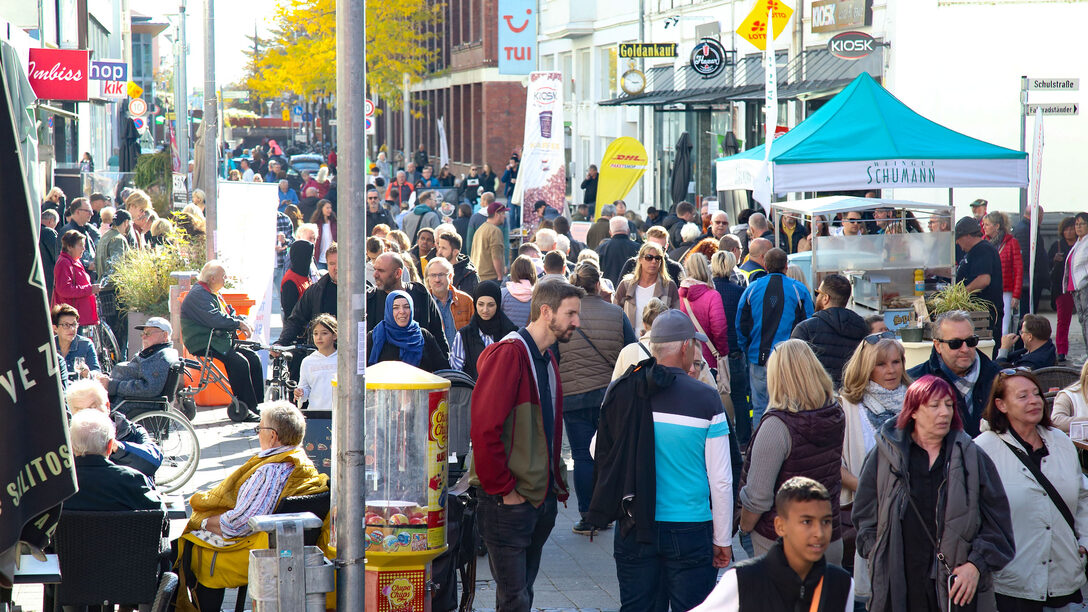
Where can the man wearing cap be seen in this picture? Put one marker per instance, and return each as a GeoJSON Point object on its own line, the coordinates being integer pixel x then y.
{"type": "Point", "coordinates": [980, 268]}
{"type": "Point", "coordinates": [145, 375]}
{"type": "Point", "coordinates": [678, 530]}
{"type": "Point", "coordinates": [979, 208]}
{"type": "Point", "coordinates": [488, 244]}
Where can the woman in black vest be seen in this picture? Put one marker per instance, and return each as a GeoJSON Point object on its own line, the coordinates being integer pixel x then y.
{"type": "Point", "coordinates": [489, 324]}
{"type": "Point", "coordinates": [801, 434]}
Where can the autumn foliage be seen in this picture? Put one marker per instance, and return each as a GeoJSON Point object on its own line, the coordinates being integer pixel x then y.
{"type": "Point", "coordinates": [300, 58]}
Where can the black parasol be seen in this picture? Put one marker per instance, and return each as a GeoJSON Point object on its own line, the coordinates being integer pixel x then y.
{"type": "Point", "coordinates": [130, 143]}
{"type": "Point", "coordinates": [681, 170]}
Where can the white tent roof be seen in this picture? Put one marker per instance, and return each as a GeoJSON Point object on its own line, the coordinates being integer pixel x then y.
{"type": "Point", "coordinates": [832, 205]}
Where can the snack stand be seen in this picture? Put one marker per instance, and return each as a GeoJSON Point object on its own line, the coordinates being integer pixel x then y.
{"type": "Point", "coordinates": [406, 484]}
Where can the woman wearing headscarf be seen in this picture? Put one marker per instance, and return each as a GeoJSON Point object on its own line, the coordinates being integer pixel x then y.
{"type": "Point", "coordinates": [489, 324]}
{"type": "Point", "coordinates": [398, 337]}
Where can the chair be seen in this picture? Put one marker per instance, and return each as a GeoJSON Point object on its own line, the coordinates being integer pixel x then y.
{"type": "Point", "coordinates": [318, 503]}
{"type": "Point", "coordinates": [131, 407]}
{"type": "Point", "coordinates": [1056, 377]}
{"type": "Point", "coordinates": [110, 557]}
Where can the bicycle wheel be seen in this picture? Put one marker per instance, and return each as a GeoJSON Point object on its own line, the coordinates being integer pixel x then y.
{"type": "Point", "coordinates": [108, 350]}
{"type": "Point", "coordinates": [180, 447]}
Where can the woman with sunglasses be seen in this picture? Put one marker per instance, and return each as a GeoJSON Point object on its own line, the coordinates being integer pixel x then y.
{"type": "Point", "coordinates": [1075, 276]}
{"type": "Point", "coordinates": [874, 385]}
{"type": "Point", "coordinates": [930, 510]}
{"type": "Point", "coordinates": [1041, 473]}
{"type": "Point", "coordinates": [649, 280]}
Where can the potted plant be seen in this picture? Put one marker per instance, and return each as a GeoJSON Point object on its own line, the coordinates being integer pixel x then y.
{"type": "Point", "coordinates": [957, 297]}
{"type": "Point", "coordinates": [142, 278]}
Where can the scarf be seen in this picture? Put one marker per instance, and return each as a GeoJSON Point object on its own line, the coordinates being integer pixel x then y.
{"type": "Point", "coordinates": [498, 325]}
{"type": "Point", "coordinates": [964, 384]}
{"type": "Point", "coordinates": [154, 348]}
{"type": "Point", "coordinates": [998, 240]}
{"type": "Point", "coordinates": [409, 339]}
{"type": "Point", "coordinates": [882, 405]}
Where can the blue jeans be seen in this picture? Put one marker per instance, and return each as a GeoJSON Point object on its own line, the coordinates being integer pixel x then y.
{"type": "Point", "coordinates": [677, 569]}
{"type": "Point", "coordinates": [514, 536]}
{"type": "Point", "coordinates": [757, 378]}
{"type": "Point", "coordinates": [738, 392]}
{"type": "Point", "coordinates": [580, 415]}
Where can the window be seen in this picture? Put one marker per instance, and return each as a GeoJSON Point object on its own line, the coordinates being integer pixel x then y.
{"type": "Point", "coordinates": [566, 63]}
{"type": "Point", "coordinates": [584, 74]}
{"type": "Point", "coordinates": [609, 58]}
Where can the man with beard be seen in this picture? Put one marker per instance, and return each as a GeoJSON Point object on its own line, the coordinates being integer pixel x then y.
{"type": "Point", "coordinates": [390, 276]}
{"type": "Point", "coordinates": [833, 331]}
{"type": "Point", "coordinates": [519, 383]}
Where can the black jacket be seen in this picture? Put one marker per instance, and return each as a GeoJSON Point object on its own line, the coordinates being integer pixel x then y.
{"type": "Point", "coordinates": [590, 186]}
{"type": "Point", "coordinates": [465, 276]}
{"type": "Point", "coordinates": [624, 473]}
{"type": "Point", "coordinates": [833, 334]}
{"type": "Point", "coordinates": [105, 486]}
{"type": "Point", "coordinates": [768, 583]}
{"type": "Point", "coordinates": [615, 252]}
{"type": "Point", "coordinates": [971, 415]}
{"type": "Point", "coordinates": [1022, 233]}
{"type": "Point", "coordinates": [425, 312]}
{"type": "Point", "coordinates": [382, 216]}
{"type": "Point", "coordinates": [47, 245]}
{"type": "Point", "coordinates": [309, 306]}
{"type": "Point", "coordinates": [1043, 357]}
{"type": "Point", "coordinates": [789, 245]}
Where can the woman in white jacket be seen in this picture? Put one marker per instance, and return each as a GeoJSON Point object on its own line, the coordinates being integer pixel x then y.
{"type": "Point", "coordinates": [1071, 403]}
{"type": "Point", "coordinates": [1036, 462]}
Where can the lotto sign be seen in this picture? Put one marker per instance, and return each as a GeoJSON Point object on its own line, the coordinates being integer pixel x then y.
{"type": "Point", "coordinates": [58, 74]}
{"type": "Point", "coordinates": [369, 106]}
{"type": "Point", "coordinates": [754, 27]}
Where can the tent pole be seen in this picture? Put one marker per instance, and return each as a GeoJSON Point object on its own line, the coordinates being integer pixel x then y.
{"type": "Point", "coordinates": [950, 199]}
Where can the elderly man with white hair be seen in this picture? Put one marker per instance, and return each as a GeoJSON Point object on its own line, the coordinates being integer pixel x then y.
{"type": "Point", "coordinates": [546, 239]}
{"type": "Point", "coordinates": [208, 325]}
{"type": "Point", "coordinates": [616, 250]}
{"type": "Point", "coordinates": [135, 449]}
{"type": "Point", "coordinates": [286, 194]}
{"type": "Point", "coordinates": [103, 485]}
{"type": "Point", "coordinates": [719, 224]}
{"type": "Point", "coordinates": [690, 233]}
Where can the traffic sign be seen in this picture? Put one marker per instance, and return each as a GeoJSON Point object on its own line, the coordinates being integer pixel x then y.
{"type": "Point", "coordinates": [286, 115]}
{"type": "Point", "coordinates": [297, 110]}
{"type": "Point", "coordinates": [1038, 84]}
{"type": "Point", "coordinates": [1069, 108]}
{"type": "Point", "coordinates": [140, 123]}
{"type": "Point", "coordinates": [137, 107]}
{"type": "Point", "coordinates": [307, 117]}
{"type": "Point", "coordinates": [369, 107]}
{"type": "Point", "coordinates": [134, 90]}
{"type": "Point", "coordinates": [370, 126]}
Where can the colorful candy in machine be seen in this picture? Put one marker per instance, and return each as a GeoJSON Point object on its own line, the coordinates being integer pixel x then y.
{"type": "Point", "coordinates": [406, 484]}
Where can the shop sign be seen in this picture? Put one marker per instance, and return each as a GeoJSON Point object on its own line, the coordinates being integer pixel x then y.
{"type": "Point", "coordinates": [851, 45]}
{"type": "Point", "coordinates": [835, 15]}
{"type": "Point", "coordinates": [58, 74]}
{"type": "Point", "coordinates": [517, 36]}
{"type": "Point", "coordinates": [648, 50]}
{"type": "Point", "coordinates": [708, 57]}
{"type": "Point", "coordinates": [754, 27]}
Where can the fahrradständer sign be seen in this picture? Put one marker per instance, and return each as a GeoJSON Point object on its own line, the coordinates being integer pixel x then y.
{"type": "Point", "coordinates": [1066, 108]}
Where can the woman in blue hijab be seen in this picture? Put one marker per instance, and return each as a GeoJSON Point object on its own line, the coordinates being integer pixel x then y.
{"type": "Point", "coordinates": [398, 337]}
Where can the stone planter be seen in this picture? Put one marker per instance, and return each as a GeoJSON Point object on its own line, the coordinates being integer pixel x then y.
{"type": "Point", "coordinates": [135, 345]}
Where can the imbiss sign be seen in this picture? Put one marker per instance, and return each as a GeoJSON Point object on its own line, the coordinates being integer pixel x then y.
{"type": "Point", "coordinates": [836, 15]}
{"type": "Point", "coordinates": [58, 74]}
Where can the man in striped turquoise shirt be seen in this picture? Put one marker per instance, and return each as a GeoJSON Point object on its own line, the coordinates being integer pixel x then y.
{"type": "Point", "coordinates": [694, 502]}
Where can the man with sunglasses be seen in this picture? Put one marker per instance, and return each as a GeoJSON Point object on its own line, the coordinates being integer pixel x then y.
{"type": "Point", "coordinates": [955, 359]}
{"type": "Point", "coordinates": [853, 224]}
{"type": "Point", "coordinates": [375, 212]}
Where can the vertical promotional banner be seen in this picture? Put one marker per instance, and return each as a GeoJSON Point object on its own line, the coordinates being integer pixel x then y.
{"type": "Point", "coordinates": [1033, 202]}
{"type": "Point", "coordinates": [623, 164]}
{"type": "Point", "coordinates": [249, 255]}
{"type": "Point", "coordinates": [517, 36]}
{"type": "Point", "coordinates": [765, 180]}
{"type": "Point", "coordinates": [542, 174]}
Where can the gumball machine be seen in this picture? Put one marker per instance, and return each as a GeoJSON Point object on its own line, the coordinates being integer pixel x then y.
{"type": "Point", "coordinates": [406, 448]}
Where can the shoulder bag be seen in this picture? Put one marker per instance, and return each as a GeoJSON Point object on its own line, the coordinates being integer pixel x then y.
{"type": "Point", "coordinates": [724, 387]}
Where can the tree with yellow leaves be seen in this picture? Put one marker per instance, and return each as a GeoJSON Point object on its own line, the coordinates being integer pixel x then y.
{"type": "Point", "coordinates": [300, 58]}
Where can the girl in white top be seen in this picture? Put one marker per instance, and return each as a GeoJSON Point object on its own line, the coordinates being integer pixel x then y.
{"type": "Point", "coordinates": [319, 368]}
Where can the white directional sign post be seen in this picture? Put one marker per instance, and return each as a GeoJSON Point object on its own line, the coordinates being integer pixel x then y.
{"type": "Point", "coordinates": [1048, 109]}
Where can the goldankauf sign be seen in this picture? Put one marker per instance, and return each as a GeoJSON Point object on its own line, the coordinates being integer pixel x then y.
{"type": "Point", "coordinates": [708, 57]}
{"type": "Point", "coordinates": [851, 45]}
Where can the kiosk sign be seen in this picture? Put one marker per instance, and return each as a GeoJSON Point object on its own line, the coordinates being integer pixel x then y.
{"type": "Point", "coordinates": [851, 45]}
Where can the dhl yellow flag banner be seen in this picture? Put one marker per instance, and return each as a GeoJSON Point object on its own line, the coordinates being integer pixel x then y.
{"type": "Point", "coordinates": [623, 164]}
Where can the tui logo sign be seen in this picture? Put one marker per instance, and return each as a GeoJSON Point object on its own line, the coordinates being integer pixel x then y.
{"type": "Point", "coordinates": [851, 45]}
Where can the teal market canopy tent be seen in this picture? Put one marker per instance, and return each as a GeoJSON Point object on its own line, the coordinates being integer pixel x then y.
{"type": "Point", "coordinates": [865, 138]}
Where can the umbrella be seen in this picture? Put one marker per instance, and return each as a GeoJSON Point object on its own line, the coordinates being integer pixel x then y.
{"type": "Point", "coordinates": [681, 169]}
{"type": "Point", "coordinates": [130, 143]}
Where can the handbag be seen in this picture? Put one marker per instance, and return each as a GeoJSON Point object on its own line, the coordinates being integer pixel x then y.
{"type": "Point", "coordinates": [724, 387]}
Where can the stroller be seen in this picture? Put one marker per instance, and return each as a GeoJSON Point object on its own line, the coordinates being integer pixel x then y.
{"type": "Point", "coordinates": [460, 558]}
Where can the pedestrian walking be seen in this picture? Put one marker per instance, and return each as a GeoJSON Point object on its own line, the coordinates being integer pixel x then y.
{"type": "Point", "coordinates": [1047, 571]}
{"type": "Point", "coordinates": [71, 281]}
{"type": "Point", "coordinates": [995, 226]}
{"type": "Point", "coordinates": [833, 331]}
{"type": "Point", "coordinates": [488, 250]}
{"type": "Point", "coordinates": [589, 186]}
{"type": "Point", "coordinates": [723, 267]}
{"type": "Point", "coordinates": [398, 337]}
{"type": "Point", "coordinates": [517, 416]}
{"type": "Point", "coordinates": [1060, 299]}
{"type": "Point", "coordinates": [517, 294]}
{"type": "Point", "coordinates": [615, 251]}
{"type": "Point", "coordinates": [704, 305]}
{"type": "Point", "coordinates": [931, 513]}
{"type": "Point", "coordinates": [1075, 277]}
{"type": "Point", "coordinates": [488, 324]}
{"type": "Point", "coordinates": [650, 279]}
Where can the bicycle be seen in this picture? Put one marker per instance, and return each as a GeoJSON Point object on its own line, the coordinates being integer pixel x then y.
{"type": "Point", "coordinates": [280, 386]}
{"type": "Point", "coordinates": [105, 345]}
{"type": "Point", "coordinates": [209, 374]}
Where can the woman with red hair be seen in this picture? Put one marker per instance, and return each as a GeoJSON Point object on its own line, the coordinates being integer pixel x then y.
{"type": "Point", "coordinates": [931, 513]}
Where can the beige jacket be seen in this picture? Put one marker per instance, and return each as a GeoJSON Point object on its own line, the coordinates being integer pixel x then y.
{"type": "Point", "coordinates": [624, 297]}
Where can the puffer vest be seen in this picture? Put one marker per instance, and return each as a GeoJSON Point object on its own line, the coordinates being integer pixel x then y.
{"type": "Point", "coordinates": [581, 369]}
{"type": "Point", "coordinates": [816, 438]}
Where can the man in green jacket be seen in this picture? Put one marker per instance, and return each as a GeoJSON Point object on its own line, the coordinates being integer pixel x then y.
{"type": "Point", "coordinates": [108, 252]}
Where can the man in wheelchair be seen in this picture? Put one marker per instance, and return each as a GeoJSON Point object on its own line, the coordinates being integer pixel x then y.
{"type": "Point", "coordinates": [145, 375]}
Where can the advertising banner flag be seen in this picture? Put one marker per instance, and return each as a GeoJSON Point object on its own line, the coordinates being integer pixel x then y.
{"type": "Point", "coordinates": [1033, 200]}
{"type": "Point", "coordinates": [542, 172]}
{"type": "Point", "coordinates": [754, 27]}
{"type": "Point", "coordinates": [251, 206]}
{"type": "Point", "coordinates": [443, 146]}
{"type": "Point", "coordinates": [59, 74]}
{"type": "Point", "coordinates": [517, 36]}
{"type": "Point", "coordinates": [763, 190]}
{"type": "Point", "coordinates": [36, 462]}
{"type": "Point", "coordinates": [623, 164]}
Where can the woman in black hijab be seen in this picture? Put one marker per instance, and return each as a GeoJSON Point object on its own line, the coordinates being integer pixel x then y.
{"type": "Point", "coordinates": [297, 278]}
{"type": "Point", "coordinates": [489, 324]}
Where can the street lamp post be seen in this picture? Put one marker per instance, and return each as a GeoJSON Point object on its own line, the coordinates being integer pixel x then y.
{"type": "Point", "coordinates": [211, 130]}
{"type": "Point", "coordinates": [181, 98]}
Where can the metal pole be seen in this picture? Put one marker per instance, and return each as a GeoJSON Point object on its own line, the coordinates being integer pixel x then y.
{"type": "Point", "coordinates": [406, 120]}
{"type": "Point", "coordinates": [1023, 135]}
{"type": "Point", "coordinates": [348, 418]}
{"type": "Point", "coordinates": [181, 97]}
{"type": "Point", "coordinates": [211, 129]}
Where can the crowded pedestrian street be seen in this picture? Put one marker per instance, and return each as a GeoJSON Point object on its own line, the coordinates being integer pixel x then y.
{"type": "Point", "coordinates": [543, 306]}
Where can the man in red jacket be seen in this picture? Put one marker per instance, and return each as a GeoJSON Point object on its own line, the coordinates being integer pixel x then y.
{"type": "Point", "coordinates": [517, 429]}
